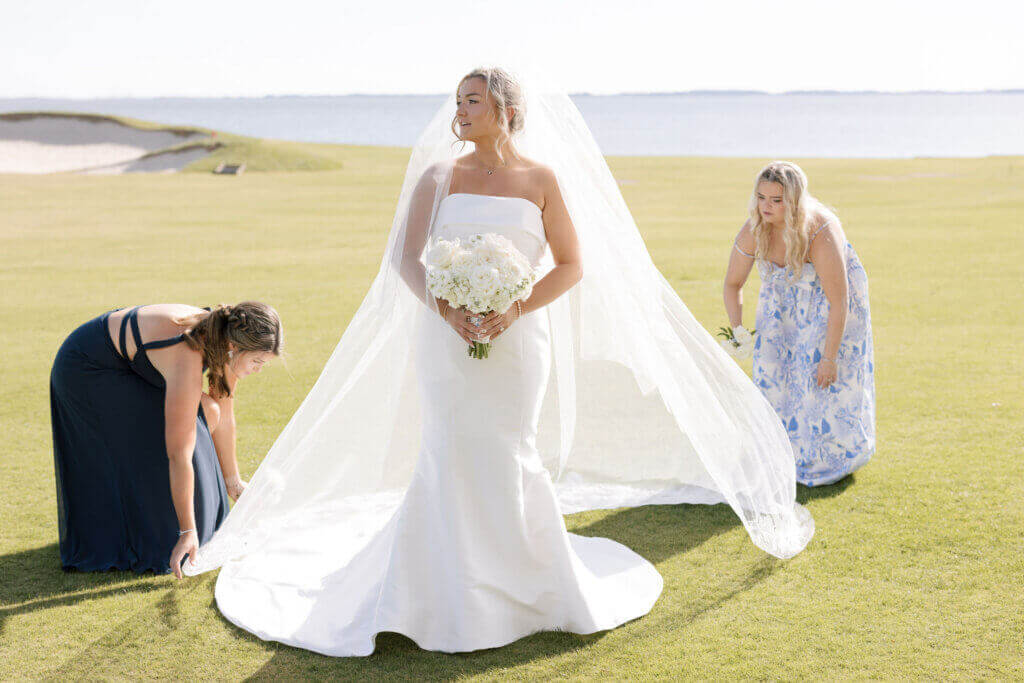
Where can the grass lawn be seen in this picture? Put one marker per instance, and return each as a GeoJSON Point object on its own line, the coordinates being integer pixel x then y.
{"type": "Point", "coordinates": [917, 566]}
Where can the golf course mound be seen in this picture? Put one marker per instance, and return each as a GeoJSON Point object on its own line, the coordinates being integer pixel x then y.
{"type": "Point", "coordinates": [54, 142]}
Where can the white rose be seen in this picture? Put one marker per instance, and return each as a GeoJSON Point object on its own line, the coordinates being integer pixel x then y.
{"type": "Point", "coordinates": [461, 260]}
{"type": "Point", "coordinates": [484, 281]}
{"type": "Point", "coordinates": [441, 254]}
{"type": "Point", "coordinates": [493, 240]}
{"type": "Point", "coordinates": [495, 248]}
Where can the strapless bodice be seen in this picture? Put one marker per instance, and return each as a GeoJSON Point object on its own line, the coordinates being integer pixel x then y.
{"type": "Point", "coordinates": [461, 215]}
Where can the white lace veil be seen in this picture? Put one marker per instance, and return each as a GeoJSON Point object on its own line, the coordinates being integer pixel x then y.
{"type": "Point", "coordinates": [643, 405]}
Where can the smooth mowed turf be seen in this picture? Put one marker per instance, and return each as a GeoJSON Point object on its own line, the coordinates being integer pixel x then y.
{"type": "Point", "coordinates": [917, 567]}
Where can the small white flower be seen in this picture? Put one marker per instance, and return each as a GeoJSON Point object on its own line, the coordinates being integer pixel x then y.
{"type": "Point", "coordinates": [501, 303]}
{"type": "Point", "coordinates": [729, 347]}
{"type": "Point", "coordinates": [742, 335]}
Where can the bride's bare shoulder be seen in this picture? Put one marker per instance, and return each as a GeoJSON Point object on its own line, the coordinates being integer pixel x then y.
{"type": "Point", "coordinates": [540, 175]}
{"type": "Point", "coordinates": [544, 179]}
{"type": "Point", "coordinates": [531, 165]}
{"type": "Point", "coordinates": [433, 175]}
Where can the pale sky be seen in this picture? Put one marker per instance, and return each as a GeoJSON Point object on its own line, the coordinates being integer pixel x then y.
{"type": "Point", "coordinates": [138, 48]}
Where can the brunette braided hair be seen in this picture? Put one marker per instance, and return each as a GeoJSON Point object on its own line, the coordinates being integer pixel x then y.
{"type": "Point", "coordinates": [250, 326]}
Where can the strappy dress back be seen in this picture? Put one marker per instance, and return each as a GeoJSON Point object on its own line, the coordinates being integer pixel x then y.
{"type": "Point", "coordinates": [114, 505]}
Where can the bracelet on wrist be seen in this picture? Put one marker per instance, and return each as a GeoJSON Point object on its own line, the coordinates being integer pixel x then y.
{"type": "Point", "coordinates": [182, 533]}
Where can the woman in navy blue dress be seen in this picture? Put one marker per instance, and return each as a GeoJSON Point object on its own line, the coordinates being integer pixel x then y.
{"type": "Point", "coordinates": [144, 458]}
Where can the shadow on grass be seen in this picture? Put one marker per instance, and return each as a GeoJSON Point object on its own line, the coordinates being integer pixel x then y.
{"type": "Point", "coordinates": [657, 532]}
{"type": "Point", "coordinates": [399, 658]}
{"type": "Point", "coordinates": [140, 628]}
{"type": "Point", "coordinates": [34, 580]}
{"type": "Point", "coordinates": [805, 494]}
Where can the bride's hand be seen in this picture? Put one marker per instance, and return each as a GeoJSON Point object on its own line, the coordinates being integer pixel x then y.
{"type": "Point", "coordinates": [235, 486]}
{"type": "Point", "coordinates": [459, 319]}
{"type": "Point", "coordinates": [494, 324]}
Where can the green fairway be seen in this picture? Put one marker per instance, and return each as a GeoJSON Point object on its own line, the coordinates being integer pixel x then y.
{"type": "Point", "coordinates": [917, 566]}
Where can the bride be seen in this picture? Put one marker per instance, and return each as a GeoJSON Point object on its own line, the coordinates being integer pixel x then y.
{"type": "Point", "coordinates": [419, 490]}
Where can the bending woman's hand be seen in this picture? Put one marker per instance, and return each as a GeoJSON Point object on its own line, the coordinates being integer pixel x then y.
{"type": "Point", "coordinates": [188, 544]}
{"type": "Point", "coordinates": [827, 373]}
{"type": "Point", "coordinates": [235, 486]}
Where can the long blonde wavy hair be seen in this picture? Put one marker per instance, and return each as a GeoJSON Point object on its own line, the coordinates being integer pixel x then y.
{"type": "Point", "coordinates": [800, 210]}
{"type": "Point", "coordinates": [505, 92]}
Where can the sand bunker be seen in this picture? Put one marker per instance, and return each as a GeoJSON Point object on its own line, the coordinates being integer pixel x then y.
{"type": "Point", "coordinates": [61, 143]}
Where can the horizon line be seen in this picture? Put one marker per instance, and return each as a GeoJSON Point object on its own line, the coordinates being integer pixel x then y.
{"type": "Point", "coordinates": [697, 92]}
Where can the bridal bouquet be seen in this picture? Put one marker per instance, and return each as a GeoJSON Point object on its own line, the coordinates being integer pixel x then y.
{"type": "Point", "coordinates": [738, 343]}
{"type": "Point", "coordinates": [482, 273]}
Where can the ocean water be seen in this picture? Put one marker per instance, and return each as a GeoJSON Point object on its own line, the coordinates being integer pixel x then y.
{"type": "Point", "coordinates": [688, 124]}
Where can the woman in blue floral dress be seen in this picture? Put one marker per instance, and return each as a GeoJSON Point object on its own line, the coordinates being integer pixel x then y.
{"type": "Point", "coordinates": [813, 353]}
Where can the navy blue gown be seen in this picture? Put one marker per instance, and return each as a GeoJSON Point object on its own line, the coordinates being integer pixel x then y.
{"type": "Point", "coordinates": [114, 505]}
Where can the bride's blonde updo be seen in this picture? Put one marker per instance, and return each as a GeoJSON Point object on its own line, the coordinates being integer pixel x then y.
{"type": "Point", "coordinates": [506, 93]}
{"type": "Point", "coordinates": [800, 210]}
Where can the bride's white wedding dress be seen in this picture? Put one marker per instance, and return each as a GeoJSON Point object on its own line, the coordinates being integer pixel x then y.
{"type": "Point", "coordinates": [477, 554]}
{"type": "Point", "coordinates": [419, 490]}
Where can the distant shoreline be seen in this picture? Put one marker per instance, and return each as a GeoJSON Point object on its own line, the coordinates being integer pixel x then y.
{"type": "Point", "coordinates": [693, 124]}
{"type": "Point", "coordinates": [681, 93]}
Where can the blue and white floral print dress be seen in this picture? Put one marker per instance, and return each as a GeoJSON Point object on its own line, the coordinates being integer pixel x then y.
{"type": "Point", "coordinates": [832, 430]}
